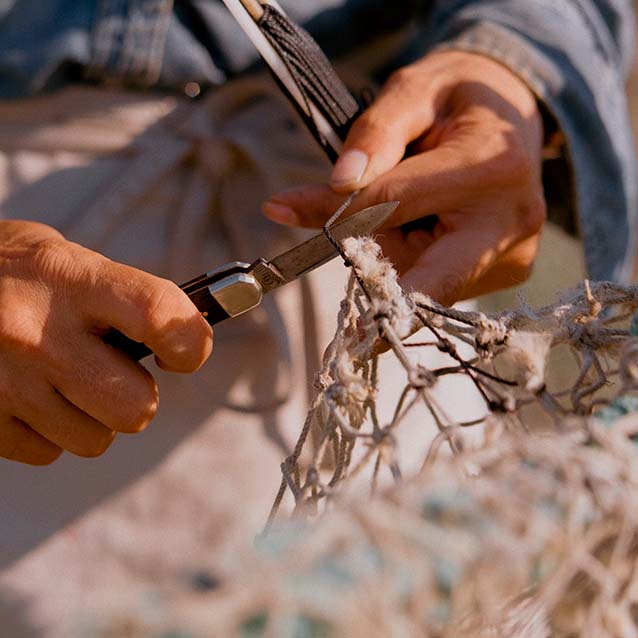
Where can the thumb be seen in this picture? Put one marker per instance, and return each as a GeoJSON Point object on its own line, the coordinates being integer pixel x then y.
{"type": "Point", "coordinates": [379, 137]}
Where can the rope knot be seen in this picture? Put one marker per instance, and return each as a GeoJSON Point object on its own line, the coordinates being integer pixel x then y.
{"type": "Point", "coordinates": [421, 378]}
{"type": "Point", "coordinates": [445, 346]}
{"type": "Point", "coordinates": [489, 334]}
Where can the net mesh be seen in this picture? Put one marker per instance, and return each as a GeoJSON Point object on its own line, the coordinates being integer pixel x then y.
{"type": "Point", "coordinates": [530, 532]}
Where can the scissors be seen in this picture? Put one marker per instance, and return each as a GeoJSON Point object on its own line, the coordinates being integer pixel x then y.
{"type": "Point", "coordinates": [237, 287]}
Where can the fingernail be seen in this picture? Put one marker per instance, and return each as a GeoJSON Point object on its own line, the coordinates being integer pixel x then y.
{"type": "Point", "coordinates": [349, 168]}
{"type": "Point", "coordinates": [280, 213]}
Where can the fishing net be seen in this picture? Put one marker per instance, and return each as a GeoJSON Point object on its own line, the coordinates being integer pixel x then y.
{"type": "Point", "coordinates": [528, 530]}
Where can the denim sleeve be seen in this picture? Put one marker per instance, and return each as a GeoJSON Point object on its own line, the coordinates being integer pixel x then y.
{"type": "Point", "coordinates": [574, 55]}
{"type": "Point", "coordinates": [42, 44]}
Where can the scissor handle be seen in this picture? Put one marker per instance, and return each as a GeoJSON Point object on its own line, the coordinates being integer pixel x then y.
{"type": "Point", "coordinates": [221, 294]}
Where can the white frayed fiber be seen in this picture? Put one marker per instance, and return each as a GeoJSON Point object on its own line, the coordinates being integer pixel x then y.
{"type": "Point", "coordinates": [381, 281]}
{"type": "Point", "coordinates": [527, 354]}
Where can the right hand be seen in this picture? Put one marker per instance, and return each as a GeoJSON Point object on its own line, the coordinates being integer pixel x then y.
{"type": "Point", "coordinates": [61, 386]}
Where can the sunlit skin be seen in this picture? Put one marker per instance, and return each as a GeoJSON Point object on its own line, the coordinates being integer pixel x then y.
{"type": "Point", "coordinates": [61, 386]}
{"type": "Point", "coordinates": [456, 135]}
{"type": "Point", "coordinates": [471, 132]}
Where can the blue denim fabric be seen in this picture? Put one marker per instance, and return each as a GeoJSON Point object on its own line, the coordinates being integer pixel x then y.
{"type": "Point", "coordinates": [160, 43]}
{"type": "Point", "coordinates": [573, 54]}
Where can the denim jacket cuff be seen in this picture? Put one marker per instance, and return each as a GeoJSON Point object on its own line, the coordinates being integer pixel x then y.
{"type": "Point", "coordinates": [588, 182]}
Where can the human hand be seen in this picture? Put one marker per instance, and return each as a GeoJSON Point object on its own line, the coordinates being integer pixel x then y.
{"type": "Point", "coordinates": [456, 135]}
{"type": "Point", "coordinates": [61, 386]}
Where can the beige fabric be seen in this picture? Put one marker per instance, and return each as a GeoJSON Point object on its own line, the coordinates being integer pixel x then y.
{"type": "Point", "coordinates": [174, 187]}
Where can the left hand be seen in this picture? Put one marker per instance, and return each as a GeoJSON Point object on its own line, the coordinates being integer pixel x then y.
{"type": "Point", "coordinates": [456, 135]}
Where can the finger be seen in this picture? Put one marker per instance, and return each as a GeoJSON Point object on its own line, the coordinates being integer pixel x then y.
{"type": "Point", "coordinates": [429, 183]}
{"type": "Point", "coordinates": [106, 384]}
{"type": "Point", "coordinates": [403, 247]}
{"type": "Point", "coordinates": [472, 164]}
{"type": "Point", "coordinates": [449, 267]}
{"type": "Point", "coordinates": [150, 310]}
{"type": "Point", "coordinates": [54, 418]}
{"type": "Point", "coordinates": [18, 442]}
{"type": "Point", "coordinates": [402, 112]}
{"type": "Point", "coordinates": [513, 268]}
{"type": "Point", "coordinates": [306, 206]}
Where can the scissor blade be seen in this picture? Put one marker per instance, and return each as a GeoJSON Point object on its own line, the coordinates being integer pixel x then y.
{"type": "Point", "coordinates": [318, 250]}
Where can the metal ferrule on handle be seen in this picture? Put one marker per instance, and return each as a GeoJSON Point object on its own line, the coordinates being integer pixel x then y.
{"type": "Point", "coordinates": [236, 294]}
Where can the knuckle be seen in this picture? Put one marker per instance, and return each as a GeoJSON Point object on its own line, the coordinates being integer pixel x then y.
{"type": "Point", "coordinates": [19, 331]}
{"type": "Point", "coordinates": [533, 214]}
{"type": "Point", "coordinates": [35, 256]}
{"type": "Point", "coordinates": [450, 287]}
{"type": "Point", "coordinates": [160, 303]}
{"type": "Point", "coordinates": [56, 261]}
{"type": "Point", "coordinates": [517, 157]}
{"type": "Point", "coordinates": [509, 157]}
{"type": "Point", "coordinates": [376, 122]}
{"type": "Point", "coordinates": [390, 190]}
{"type": "Point", "coordinates": [183, 339]}
{"type": "Point", "coordinates": [521, 272]}
{"type": "Point", "coordinates": [401, 78]}
{"type": "Point", "coordinates": [368, 125]}
{"type": "Point", "coordinates": [150, 303]}
{"type": "Point", "coordinates": [453, 283]}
